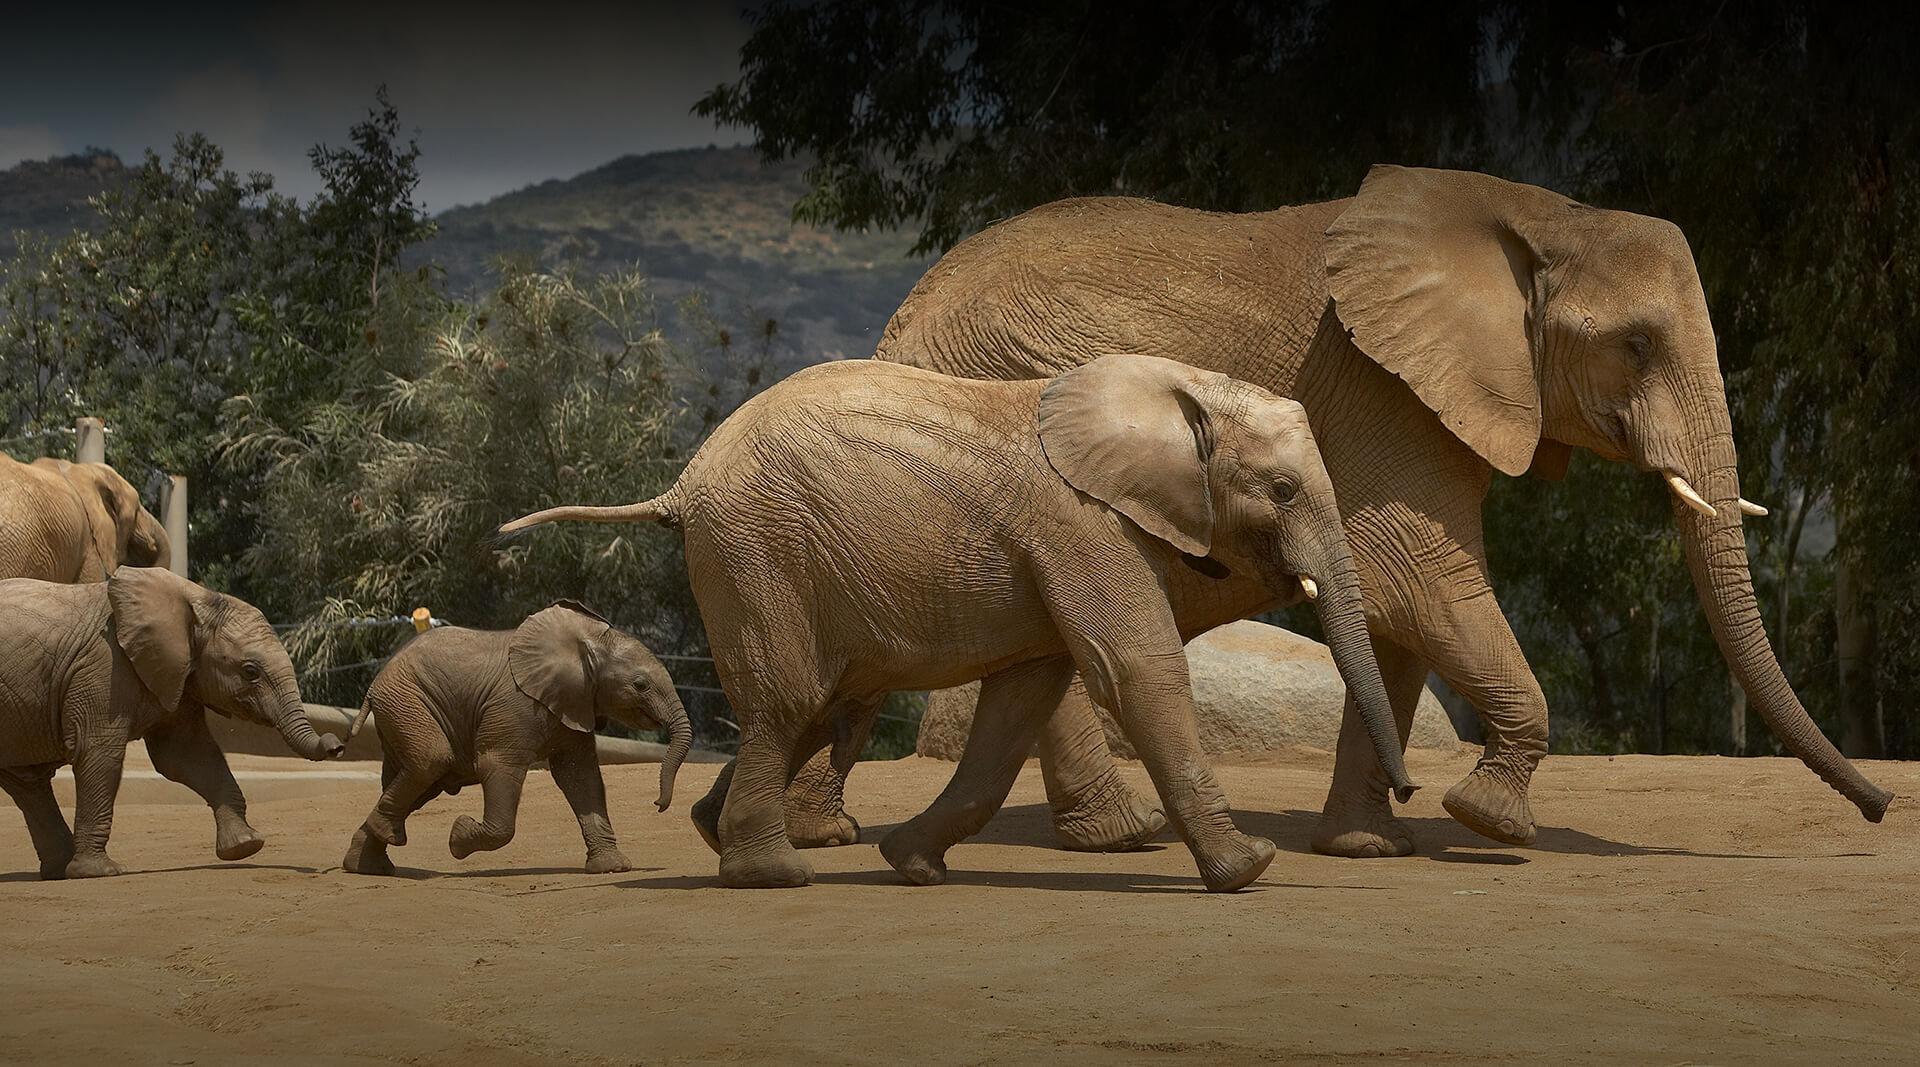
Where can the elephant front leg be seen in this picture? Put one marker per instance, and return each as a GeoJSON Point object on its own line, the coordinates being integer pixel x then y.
{"type": "Point", "coordinates": [186, 752]}
{"type": "Point", "coordinates": [1358, 820]}
{"type": "Point", "coordinates": [1005, 726]}
{"type": "Point", "coordinates": [500, 780]}
{"type": "Point", "coordinates": [575, 764]}
{"type": "Point", "coordinates": [1093, 810]}
{"type": "Point", "coordinates": [1490, 670]}
{"type": "Point", "coordinates": [97, 763]}
{"type": "Point", "coordinates": [31, 789]}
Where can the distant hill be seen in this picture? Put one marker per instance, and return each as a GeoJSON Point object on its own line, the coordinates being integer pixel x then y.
{"type": "Point", "coordinates": [716, 220]}
{"type": "Point", "coordinates": [49, 196]}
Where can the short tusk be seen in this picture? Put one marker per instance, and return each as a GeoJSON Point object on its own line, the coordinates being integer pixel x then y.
{"type": "Point", "coordinates": [1307, 587]}
{"type": "Point", "coordinates": [1685, 492]}
{"type": "Point", "coordinates": [1748, 507]}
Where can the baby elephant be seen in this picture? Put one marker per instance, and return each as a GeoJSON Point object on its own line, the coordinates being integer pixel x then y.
{"type": "Point", "coordinates": [456, 707]}
{"type": "Point", "coordinates": [865, 527]}
{"type": "Point", "coordinates": [144, 654]}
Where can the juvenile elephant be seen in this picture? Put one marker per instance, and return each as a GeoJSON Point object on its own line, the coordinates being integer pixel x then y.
{"type": "Point", "coordinates": [863, 527]}
{"type": "Point", "coordinates": [73, 522]}
{"type": "Point", "coordinates": [143, 654]}
{"type": "Point", "coordinates": [459, 707]}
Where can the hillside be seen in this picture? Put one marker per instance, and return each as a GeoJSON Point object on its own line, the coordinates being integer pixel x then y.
{"type": "Point", "coordinates": [715, 220]}
{"type": "Point", "coordinates": [49, 197]}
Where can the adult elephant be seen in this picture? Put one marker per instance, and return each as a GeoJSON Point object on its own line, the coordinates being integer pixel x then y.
{"type": "Point", "coordinates": [1438, 326]}
{"type": "Point", "coordinates": [73, 522]}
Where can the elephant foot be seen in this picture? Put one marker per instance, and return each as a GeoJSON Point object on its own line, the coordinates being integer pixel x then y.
{"type": "Point", "coordinates": [1363, 829]}
{"type": "Point", "coordinates": [1490, 803]}
{"type": "Point", "coordinates": [470, 836]}
{"type": "Point", "coordinates": [706, 820]}
{"type": "Point", "coordinates": [91, 865]}
{"type": "Point", "coordinates": [386, 831]}
{"type": "Point", "coordinates": [910, 854]}
{"type": "Point", "coordinates": [780, 868]}
{"type": "Point", "coordinates": [1234, 863]}
{"type": "Point", "coordinates": [237, 841]}
{"type": "Point", "coordinates": [607, 860]}
{"type": "Point", "coordinates": [807, 830]}
{"type": "Point", "coordinates": [1108, 817]}
{"type": "Point", "coordinates": [366, 855]}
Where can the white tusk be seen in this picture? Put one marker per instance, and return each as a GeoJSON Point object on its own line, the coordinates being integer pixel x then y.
{"type": "Point", "coordinates": [1307, 587]}
{"type": "Point", "coordinates": [1748, 507]}
{"type": "Point", "coordinates": [1685, 492]}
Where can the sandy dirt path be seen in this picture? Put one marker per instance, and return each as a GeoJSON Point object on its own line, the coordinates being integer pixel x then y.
{"type": "Point", "coordinates": [1700, 910]}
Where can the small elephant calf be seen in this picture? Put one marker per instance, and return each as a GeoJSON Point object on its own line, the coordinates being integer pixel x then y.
{"type": "Point", "coordinates": [459, 707]}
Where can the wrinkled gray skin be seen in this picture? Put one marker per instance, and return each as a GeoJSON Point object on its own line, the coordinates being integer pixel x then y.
{"type": "Point", "coordinates": [460, 707]}
{"type": "Point", "coordinates": [73, 522]}
{"type": "Point", "coordinates": [143, 655]}
{"type": "Point", "coordinates": [863, 527]}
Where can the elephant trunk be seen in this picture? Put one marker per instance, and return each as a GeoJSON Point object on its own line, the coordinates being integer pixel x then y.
{"type": "Point", "coordinates": [679, 743]}
{"type": "Point", "coordinates": [290, 718]}
{"type": "Point", "coordinates": [1344, 622]}
{"type": "Point", "coordinates": [1716, 553]}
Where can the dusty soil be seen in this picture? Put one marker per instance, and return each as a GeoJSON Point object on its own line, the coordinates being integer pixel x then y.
{"type": "Point", "coordinates": [1698, 909]}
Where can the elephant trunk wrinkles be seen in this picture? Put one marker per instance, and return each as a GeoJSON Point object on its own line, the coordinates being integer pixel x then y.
{"type": "Point", "coordinates": [290, 718]}
{"type": "Point", "coordinates": [680, 742]}
{"type": "Point", "coordinates": [1344, 622]}
{"type": "Point", "coordinates": [1716, 552]}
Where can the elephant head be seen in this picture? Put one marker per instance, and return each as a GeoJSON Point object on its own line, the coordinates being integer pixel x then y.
{"type": "Point", "coordinates": [579, 667]}
{"type": "Point", "coordinates": [1228, 474]}
{"type": "Point", "coordinates": [190, 645]}
{"type": "Point", "coordinates": [119, 531]}
{"type": "Point", "coordinates": [1530, 323]}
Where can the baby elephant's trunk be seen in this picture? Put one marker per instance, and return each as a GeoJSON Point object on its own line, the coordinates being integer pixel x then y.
{"type": "Point", "coordinates": [679, 743]}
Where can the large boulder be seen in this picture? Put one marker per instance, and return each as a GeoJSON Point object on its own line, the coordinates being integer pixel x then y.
{"type": "Point", "coordinates": [1256, 688]}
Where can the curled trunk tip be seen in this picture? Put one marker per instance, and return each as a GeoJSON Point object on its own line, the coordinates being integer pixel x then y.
{"type": "Point", "coordinates": [680, 734]}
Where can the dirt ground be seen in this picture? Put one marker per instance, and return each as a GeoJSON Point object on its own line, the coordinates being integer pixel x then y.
{"type": "Point", "coordinates": [1675, 910]}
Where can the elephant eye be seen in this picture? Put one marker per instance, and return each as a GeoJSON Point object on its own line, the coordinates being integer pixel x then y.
{"type": "Point", "coordinates": [251, 671]}
{"type": "Point", "coordinates": [1283, 491]}
{"type": "Point", "coordinates": [1641, 346]}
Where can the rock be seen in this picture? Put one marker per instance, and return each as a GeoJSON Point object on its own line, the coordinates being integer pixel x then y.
{"type": "Point", "coordinates": [1256, 688]}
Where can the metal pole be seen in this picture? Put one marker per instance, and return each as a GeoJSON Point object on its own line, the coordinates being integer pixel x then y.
{"type": "Point", "coordinates": [90, 440]}
{"type": "Point", "coordinates": [173, 508]}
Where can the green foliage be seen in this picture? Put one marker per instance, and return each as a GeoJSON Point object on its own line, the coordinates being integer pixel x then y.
{"type": "Point", "coordinates": [1780, 136]}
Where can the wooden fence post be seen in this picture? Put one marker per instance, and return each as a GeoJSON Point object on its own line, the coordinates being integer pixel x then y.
{"type": "Point", "coordinates": [173, 507]}
{"type": "Point", "coordinates": [90, 440]}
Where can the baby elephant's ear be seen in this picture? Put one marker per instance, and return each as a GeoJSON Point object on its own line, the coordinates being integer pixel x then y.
{"type": "Point", "coordinates": [159, 620]}
{"type": "Point", "coordinates": [551, 660]}
{"type": "Point", "coordinates": [1134, 432]}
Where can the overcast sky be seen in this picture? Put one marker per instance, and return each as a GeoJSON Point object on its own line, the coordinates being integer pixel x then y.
{"type": "Point", "coordinates": [497, 101]}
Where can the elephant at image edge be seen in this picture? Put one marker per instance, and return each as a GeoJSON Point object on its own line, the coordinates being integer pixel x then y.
{"type": "Point", "coordinates": [1438, 326]}
{"type": "Point", "coordinates": [458, 707]}
{"type": "Point", "coordinates": [73, 522]}
{"type": "Point", "coordinates": [863, 527]}
{"type": "Point", "coordinates": [142, 655]}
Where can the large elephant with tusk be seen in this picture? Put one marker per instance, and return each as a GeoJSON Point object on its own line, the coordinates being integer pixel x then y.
{"type": "Point", "coordinates": [1438, 326]}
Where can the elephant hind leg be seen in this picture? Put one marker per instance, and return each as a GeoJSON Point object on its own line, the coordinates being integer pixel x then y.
{"type": "Point", "coordinates": [1093, 809]}
{"type": "Point", "coordinates": [816, 800]}
{"type": "Point", "coordinates": [1005, 728]}
{"type": "Point", "coordinates": [755, 852]}
{"type": "Point", "coordinates": [1357, 821]}
{"type": "Point", "coordinates": [706, 811]}
{"type": "Point", "coordinates": [31, 789]}
{"type": "Point", "coordinates": [366, 852]}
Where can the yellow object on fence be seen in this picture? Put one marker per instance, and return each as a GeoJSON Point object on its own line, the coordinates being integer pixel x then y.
{"type": "Point", "coordinates": [422, 620]}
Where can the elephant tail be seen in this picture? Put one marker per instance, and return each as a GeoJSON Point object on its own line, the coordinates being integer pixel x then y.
{"type": "Point", "coordinates": [359, 721]}
{"type": "Point", "coordinates": [663, 509]}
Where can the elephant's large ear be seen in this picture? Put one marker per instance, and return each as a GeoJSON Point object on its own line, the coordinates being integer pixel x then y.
{"type": "Point", "coordinates": [100, 505]}
{"type": "Point", "coordinates": [551, 660]}
{"type": "Point", "coordinates": [1134, 433]}
{"type": "Point", "coordinates": [1433, 273]}
{"type": "Point", "coordinates": [160, 622]}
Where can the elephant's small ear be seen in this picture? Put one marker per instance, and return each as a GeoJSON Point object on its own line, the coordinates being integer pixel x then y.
{"type": "Point", "coordinates": [1432, 273]}
{"type": "Point", "coordinates": [551, 660]}
{"type": "Point", "coordinates": [1134, 433]}
{"type": "Point", "coordinates": [100, 501]}
{"type": "Point", "coordinates": [160, 621]}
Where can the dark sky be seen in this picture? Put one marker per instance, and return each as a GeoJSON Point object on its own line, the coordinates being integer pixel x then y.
{"type": "Point", "coordinates": [545, 90]}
